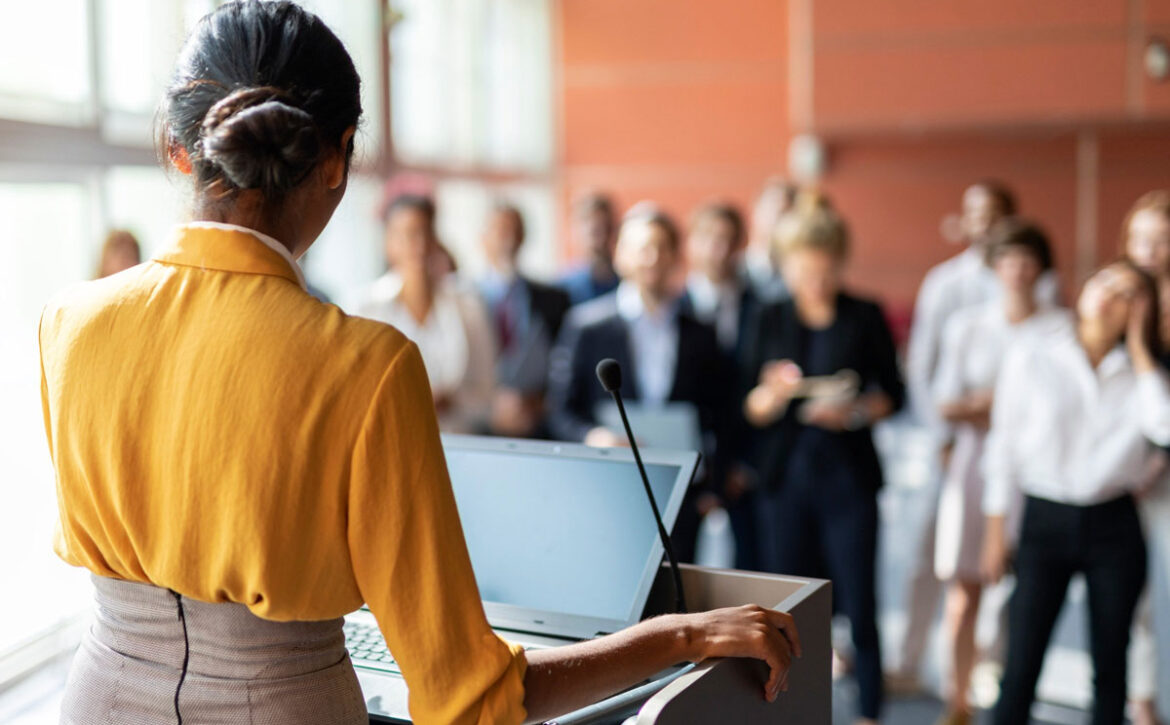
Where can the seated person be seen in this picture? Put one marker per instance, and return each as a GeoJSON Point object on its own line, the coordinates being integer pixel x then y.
{"type": "Point", "coordinates": [527, 318]}
{"type": "Point", "coordinates": [667, 355]}
{"type": "Point", "coordinates": [429, 306]}
{"type": "Point", "coordinates": [593, 230]}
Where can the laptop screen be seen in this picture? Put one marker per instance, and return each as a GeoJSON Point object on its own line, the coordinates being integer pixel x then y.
{"type": "Point", "coordinates": [570, 534]}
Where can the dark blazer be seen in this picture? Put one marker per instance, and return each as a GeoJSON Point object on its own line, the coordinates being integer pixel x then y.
{"type": "Point", "coordinates": [549, 304]}
{"type": "Point", "coordinates": [749, 310]}
{"type": "Point", "coordinates": [859, 340]}
{"type": "Point", "coordinates": [597, 330]}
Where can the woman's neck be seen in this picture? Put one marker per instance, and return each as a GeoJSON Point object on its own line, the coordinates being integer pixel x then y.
{"type": "Point", "coordinates": [817, 314]}
{"type": "Point", "coordinates": [418, 294]}
{"type": "Point", "coordinates": [1019, 306]}
{"type": "Point", "coordinates": [247, 213]}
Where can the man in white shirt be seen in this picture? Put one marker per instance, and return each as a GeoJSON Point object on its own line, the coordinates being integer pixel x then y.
{"type": "Point", "coordinates": [959, 282]}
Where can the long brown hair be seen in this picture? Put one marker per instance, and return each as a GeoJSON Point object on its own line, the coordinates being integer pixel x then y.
{"type": "Point", "coordinates": [1154, 317]}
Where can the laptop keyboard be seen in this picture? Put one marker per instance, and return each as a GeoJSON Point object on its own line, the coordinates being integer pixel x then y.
{"type": "Point", "coordinates": [367, 648]}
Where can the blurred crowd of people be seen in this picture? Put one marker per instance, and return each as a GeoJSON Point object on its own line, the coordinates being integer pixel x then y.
{"type": "Point", "coordinates": [1050, 423]}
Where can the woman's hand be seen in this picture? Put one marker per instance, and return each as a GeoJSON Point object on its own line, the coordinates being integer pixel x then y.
{"type": "Point", "coordinates": [832, 416]}
{"type": "Point", "coordinates": [560, 679]}
{"type": "Point", "coordinates": [602, 437]}
{"type": "Point", "coordinates": [1140, 309]}
{"type": "Point", "coordinates": [779, 381]}
{"type": "Point", "coordinates": [994, 561]}
{"type": "Point", "coordinates": [747, 631]}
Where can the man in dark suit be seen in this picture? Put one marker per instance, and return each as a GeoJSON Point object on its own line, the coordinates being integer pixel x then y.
{"type": "Point", "coordinates": [719, 295]}
{"type": "Point", "coordinates": [527, 317]}
{"type": "Point", "coordinates": [666, 354]}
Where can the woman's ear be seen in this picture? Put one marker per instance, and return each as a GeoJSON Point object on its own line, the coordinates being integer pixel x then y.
{"type": "Point", "coordinates": [335, 166]}
{"type": "Point", "coordinates": [179, 157]}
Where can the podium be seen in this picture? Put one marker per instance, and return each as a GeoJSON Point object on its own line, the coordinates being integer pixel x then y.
{"type": "Point", "coordinates": [732, 690]}
{"type": "Point", "coordinates": [726, 690]}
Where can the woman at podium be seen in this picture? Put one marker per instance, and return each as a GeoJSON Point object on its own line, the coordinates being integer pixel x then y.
{"type": "Point", "coordinates": [239, 465]}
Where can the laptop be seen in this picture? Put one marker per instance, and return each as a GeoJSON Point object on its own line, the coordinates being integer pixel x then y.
{"type": "Point", "coordinates": [562, 541]}
{"type": "Point", "coordinates": [672, 424]}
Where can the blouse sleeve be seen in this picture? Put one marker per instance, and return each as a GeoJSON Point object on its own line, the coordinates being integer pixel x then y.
{"type": "Point", "coordinates": [948, 380]}
{"type": "Point", "coordinates": [1008, 412]}
{"type": "Point", "coordinates": [411, 563]}
{"type": "Point", "coordinates": [1154, 394]}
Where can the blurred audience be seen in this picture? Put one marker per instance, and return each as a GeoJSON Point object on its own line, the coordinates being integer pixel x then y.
{"type": "Point", "coordinates": [527, 317]}
{"type": "Point", "coordinates": [974, 341]}
{"type": "Point", "coordinates": [120, 251]}
{"type": "Point", "coordinates": [667, 355]}
{"type": "Point", "coordinates": [826, 371]}
{"type": "Point", "coordinates": [1076, 409]}
{"type": "Point", "coordinates": [593, 228]}
{"type": "Point", "coordinates": [961, 281]}
{"type": "Point", "coordinates": [447, 321]}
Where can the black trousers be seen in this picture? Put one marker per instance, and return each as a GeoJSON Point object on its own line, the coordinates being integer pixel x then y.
{"type": "Point", "coordinates": [1104, 542]}
{"type": "Point", "coordinates": [823, 522]}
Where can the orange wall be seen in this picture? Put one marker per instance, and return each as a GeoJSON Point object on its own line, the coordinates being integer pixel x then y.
{"type": "Point", "coordinates": [668, 100]}
{"type": "Point", "coordinates": [683, 100]}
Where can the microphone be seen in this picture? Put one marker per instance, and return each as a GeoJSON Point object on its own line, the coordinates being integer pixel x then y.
{"type": "Point", "coordinates": [609, 372]}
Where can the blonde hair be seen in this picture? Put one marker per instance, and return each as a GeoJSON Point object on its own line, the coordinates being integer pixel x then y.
{"type": "Point", "coordinates": [812, 223]}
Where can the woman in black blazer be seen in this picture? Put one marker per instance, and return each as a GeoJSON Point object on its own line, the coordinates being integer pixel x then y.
{"type": "Point", "coordinates": [820, 473]}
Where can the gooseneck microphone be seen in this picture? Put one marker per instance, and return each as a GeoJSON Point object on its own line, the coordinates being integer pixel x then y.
{"type": "Point", "coordinates": [609, 372]}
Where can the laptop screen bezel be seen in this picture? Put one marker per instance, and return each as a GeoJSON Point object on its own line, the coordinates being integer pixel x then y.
{"type": "Point", "coordinates": [525, 619]}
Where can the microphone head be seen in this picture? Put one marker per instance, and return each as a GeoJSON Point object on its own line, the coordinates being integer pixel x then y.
{"type": "Point", "coordinates": [609, 372]}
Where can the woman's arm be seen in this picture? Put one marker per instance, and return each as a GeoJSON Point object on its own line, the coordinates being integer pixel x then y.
{"type": "Point", "coordinates": [566, 678]}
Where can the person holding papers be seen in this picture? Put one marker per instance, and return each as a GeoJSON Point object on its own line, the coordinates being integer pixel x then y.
{"type": "Point", "coordinates": [825, 372]}
{"type": "Point", "coordinates": [239, 465]}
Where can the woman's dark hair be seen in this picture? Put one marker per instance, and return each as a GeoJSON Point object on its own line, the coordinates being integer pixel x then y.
{"type": "Point", "coordinates": [261, 89]}
{"type": "Point", "coordinates": [413, 202]}
{"type": "Point", "coordinates": [1013, 233]}
{"type": "Point", "coordinates": [726, 212]}
{"type": "Point", "coordinates": [1005, 198]}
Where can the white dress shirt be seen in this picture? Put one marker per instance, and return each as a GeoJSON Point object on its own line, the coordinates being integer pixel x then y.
{"type": "Point", "coordinates": [653, 343]}
{"type": "Point", "coordinates": [718, 306]}
{"type": "Point", "coordinates": [1064, 431]}
{"type": "Point", "coordinates": [961, 281]}
{"type": "Point", "coordinates": [456, 343]}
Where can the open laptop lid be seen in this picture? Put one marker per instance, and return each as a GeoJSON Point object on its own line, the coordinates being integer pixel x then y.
{"type": "Point", "coordinates": [561, 536]}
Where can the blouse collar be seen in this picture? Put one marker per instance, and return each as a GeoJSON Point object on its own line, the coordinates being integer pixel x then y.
{"type": "Point", "coordinates": [231, 248]}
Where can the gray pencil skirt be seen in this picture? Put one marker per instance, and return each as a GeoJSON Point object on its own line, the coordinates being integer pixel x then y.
{"type": "Point", "coordinates": [240, 668]}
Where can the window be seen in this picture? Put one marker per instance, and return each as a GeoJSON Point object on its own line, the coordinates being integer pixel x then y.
{"type": "Point", "coordinates": [47, 243]}
{"type": "Point", "coordinates": [45, 74]}
{"type": "Point", "coordinates": [460, 70]}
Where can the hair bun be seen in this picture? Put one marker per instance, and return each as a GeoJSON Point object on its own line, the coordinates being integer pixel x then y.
{"type": "Point", "coordinates": [260, 140]}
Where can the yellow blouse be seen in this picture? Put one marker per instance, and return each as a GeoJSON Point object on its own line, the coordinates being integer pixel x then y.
{"type": "Point", "coordinates": [217, 431]}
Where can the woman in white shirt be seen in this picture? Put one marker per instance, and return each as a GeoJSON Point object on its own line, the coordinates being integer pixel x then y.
{"type": "Point", "coordinates": [1076, 410]}
{"type": "Point", "coordinates": [973, 344]}
{"type": "Point", "coordinates": [1146, 239]}
{"type": "Point", "coordinates": [446, 320]}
